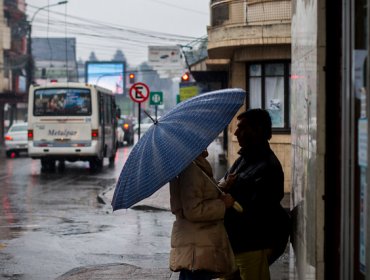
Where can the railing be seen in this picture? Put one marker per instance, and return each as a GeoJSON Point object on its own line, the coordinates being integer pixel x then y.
{"type": "Point", "coordinates": [247, 12]}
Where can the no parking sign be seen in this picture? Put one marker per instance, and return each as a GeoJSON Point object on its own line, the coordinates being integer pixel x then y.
{"type": "Point", "coordinates": [139, 92]}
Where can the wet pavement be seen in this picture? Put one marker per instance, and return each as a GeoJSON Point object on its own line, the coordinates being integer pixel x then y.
{"type": "Point", "coordinates": [160, 201]}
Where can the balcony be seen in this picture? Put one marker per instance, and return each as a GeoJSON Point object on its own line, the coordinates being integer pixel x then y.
{"type": "Point", "coordinates": [243, 23]}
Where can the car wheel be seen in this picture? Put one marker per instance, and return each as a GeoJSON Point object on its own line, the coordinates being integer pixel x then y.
{"type": "Point", "coordinates": [131, 140]}
{"type": "Point", "coordinates": [111, 160]}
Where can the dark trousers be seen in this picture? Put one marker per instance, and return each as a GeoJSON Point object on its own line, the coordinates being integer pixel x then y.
{"type": "Point", "coordinates": [195, 275]}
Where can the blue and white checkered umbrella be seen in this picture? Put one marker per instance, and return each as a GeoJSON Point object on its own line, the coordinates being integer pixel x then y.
{"type": "Point", "coordinates": [173, 142]}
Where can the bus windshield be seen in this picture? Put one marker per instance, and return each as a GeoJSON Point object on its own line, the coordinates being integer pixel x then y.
{"type": "Point", "coordinates": [62, 102]}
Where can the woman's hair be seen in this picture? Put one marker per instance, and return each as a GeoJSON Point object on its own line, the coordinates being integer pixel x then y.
{"type": "Point", "coordinates": [258, 119]}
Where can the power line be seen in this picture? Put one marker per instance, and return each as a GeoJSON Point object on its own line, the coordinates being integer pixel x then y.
{"type": "Point", "coordinates": [178, 7]}
{"type": "Point", "coordinates": [74, 27]}
{"type": "Point", "coordinates": [100, 24]}
{"type": "Point", "coordinates": [134, 39]}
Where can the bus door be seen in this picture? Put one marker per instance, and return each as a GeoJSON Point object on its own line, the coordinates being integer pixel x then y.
{"type": "Point", "coordinates": [102, 117]}
{"type": "Point", "coordinates": [109, 127]}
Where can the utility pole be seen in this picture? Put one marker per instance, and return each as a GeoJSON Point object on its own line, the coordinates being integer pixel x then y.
{"type": "Point", "coordinates": [30, 62]}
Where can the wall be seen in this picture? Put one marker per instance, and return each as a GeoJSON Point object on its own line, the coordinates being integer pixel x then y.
{"type": "Point", "coordinates": [308, 137]}
{"type": "Point", "coordinates": [281, 145]}
{"type": "Point", "coordinates": [4, 45]}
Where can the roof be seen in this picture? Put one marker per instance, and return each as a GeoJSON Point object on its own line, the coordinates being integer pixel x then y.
{"type": "Point", "coordinates": [54, 49]}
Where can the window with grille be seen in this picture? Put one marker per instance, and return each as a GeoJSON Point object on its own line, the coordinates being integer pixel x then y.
{"type": "Point", "coordinates": [220, 13]}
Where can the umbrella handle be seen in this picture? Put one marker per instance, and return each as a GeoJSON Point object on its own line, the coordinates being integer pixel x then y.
{"type": "Point", "coordinates": [236, 204]}
{"type": "Point", "coordinates": [237, 207]}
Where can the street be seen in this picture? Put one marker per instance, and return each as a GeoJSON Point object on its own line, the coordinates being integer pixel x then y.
{"type": "Point", "coordinates": [52, 223]}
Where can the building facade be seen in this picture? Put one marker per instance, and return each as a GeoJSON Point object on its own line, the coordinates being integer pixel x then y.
{"type": "Point", "coordinates": [250, 41]}
{"type": "Point", "coordinates": [54, 60]}
{"type": "Point", "coordinates": [324, 48]}
{"type": "Point", "coordinates": [330, 108]}
{"type": "Point", "coordinates": [13, 60]}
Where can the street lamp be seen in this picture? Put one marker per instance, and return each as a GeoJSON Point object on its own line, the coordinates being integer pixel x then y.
{"type": "Point", "coordinates": [29, 43]}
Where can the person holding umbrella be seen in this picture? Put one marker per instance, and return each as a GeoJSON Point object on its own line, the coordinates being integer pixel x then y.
{"type": "Point", "coordinates": [200, 248]}
{"type": "Point", "coordinates": [260, 233]}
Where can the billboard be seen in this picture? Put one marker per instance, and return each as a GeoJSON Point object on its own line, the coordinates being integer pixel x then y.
{"type": "Point", "coordinates": [166, 60]}
{"type": "Point", "coordinates": [107, 74]}
{"type": "Point", "coordinates": [165, 56]}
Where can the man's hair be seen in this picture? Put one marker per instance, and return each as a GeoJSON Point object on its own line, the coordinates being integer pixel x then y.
{"type": "Point", "coordinates": [258, 119]}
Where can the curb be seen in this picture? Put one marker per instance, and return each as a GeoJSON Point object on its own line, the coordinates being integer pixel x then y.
{"type": "Point", "coordinates": [102, 198]}
{"type": "Point", "coordinates": [152, 203]}
{"type": "Point", "coordinates": [117, 271]}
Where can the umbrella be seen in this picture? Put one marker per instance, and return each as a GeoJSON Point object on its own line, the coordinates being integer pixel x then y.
{"type": "Point", "coordinates": [174, 140]}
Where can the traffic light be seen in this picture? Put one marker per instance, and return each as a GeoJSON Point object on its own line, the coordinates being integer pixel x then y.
{"type": "Point", "coordinates": [131, 76]}
{"type": "Point", "coordinates": [185, 77]}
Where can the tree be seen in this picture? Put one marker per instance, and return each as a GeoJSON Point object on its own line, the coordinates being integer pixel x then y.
{"type": "Point", "coordinates": [93, 57]}
{"type": "Point", "coordinates": [119, 56]}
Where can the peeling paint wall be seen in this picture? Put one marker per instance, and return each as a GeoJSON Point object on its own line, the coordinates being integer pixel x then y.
{"type": "Point", "coordinates": [308, 137]}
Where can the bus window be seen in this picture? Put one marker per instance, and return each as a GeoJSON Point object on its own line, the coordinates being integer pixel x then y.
{"type": "Point", "coordinates": [62, 102]}
{"type": "Point", "coordinates": [108, 110]}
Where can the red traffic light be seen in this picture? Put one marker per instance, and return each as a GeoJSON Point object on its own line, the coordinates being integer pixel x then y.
{"type": "Point", "coordinates": [185, 77]}
{"type": "Point", "coordinates": [131, 76]}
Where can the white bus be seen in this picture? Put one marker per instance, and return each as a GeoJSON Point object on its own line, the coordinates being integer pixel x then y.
{"type": "Point", "coordinates": [71, 122]}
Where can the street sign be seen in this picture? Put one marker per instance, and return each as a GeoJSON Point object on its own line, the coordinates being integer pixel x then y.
{"type": "Point", "coordinates": [139, 92]}
{"type": "Point", "coordinates": [188, 90]}
{"type": "Point", "coordinates": [156, 98]}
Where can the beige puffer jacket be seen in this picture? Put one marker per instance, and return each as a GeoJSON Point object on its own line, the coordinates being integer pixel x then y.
{"type": "Point", "coordinates": [199, 240]}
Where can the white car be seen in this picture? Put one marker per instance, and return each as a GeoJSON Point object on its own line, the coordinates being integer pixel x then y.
{"type": "Point", "coordinates": [144, 124]}
{"type": "Point", "coordinates": [16, 140]}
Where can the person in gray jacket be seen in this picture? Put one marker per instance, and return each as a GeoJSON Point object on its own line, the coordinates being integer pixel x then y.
{"type": "Point", "coordinates": [200, 248]}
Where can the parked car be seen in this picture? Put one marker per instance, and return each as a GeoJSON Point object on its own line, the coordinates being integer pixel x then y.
{"type": "Point", "coordinates": [16, 140]}
{"type": "Point", "coordinates": [128, 127]}
{"type": "Point", "coordinates": [144, 124]}
{"type": "Point", "coordinates": [120, 136]}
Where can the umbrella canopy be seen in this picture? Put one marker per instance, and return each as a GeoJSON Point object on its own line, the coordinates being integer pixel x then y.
{"type": "Point", "coordinates": [173, 142]}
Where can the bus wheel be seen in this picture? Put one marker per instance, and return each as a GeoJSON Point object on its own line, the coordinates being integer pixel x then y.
{"type": "Point", "coordinates": [61, 165]}
{"type": "Point", "coordinates": [47, 164]}
{"type": "Point", "coordinates": [111, 159]}
{"type": "Point", "coordinates": [96, 163]}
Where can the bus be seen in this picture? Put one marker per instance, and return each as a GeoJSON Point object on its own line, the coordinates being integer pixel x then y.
{"type": "Point", "coordinates": [71, 122]}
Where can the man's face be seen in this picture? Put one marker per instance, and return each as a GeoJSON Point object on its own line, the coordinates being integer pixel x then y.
{"type": "Point", "coordinates": [245, 133]}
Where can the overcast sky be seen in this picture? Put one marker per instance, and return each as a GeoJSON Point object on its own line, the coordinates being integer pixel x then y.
{"type": "Point", "coordinates": [103, 26]}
